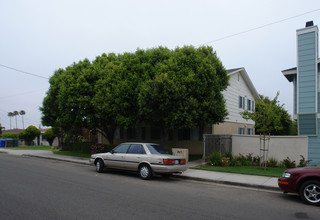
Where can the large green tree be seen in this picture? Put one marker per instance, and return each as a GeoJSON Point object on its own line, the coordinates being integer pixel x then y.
{"type": "Point", "coordinates": [186, 90]}
{"type": "Point", "coordinates": [270, 117]}
{"type": "Point", "coordinates": [178, 88]}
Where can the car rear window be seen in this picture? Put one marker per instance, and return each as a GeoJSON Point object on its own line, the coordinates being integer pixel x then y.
{"type": "Point", "coordinates": [156, 149]}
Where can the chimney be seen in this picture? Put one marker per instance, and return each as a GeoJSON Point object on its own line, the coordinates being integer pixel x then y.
{"type": "Point", "coordinates": [309, 24]}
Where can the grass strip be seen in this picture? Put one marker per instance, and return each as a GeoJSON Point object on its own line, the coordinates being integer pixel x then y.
{"type": "Point", "coordinates": [249, 170]}
{"type": "Point", "coordinates": [72, 153]}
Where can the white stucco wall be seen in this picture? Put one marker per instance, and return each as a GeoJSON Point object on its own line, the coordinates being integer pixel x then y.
{"type": "Point", "coordinates": [280, 147]}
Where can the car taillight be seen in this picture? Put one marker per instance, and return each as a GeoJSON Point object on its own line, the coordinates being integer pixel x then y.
{"type": "Point", "coordinates": [168, 161]}
{"type": "Point", "coordinates": [173, 161]}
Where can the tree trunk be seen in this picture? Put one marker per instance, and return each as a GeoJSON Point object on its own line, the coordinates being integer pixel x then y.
{"type": "Point", "coordinates": [108, 133]}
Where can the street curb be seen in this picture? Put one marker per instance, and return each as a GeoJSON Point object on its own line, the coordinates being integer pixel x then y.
{"type": "Point", "coordinates": [255, 186]}
{"type": "Point", "coordinates": [57, 159]}
{"type": "Point", "coordinates": [175, 176]}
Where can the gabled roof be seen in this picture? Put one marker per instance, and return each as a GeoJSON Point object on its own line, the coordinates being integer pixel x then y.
{"type": "Point", "coordinates": [247, 80]}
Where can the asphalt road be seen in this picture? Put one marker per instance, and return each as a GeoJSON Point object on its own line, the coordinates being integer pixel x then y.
{"type": "Point", "coordinates": [32, 188]}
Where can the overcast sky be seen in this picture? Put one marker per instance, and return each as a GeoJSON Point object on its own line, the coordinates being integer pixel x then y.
{"type": "Point", "coordinates": [41, 36]}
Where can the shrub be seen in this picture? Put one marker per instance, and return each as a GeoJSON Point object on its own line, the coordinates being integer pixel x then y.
{"type": "Point", "coordinates": [303, 162]}
{"type": "Point", "coordinates": [10, 135]}
{"type": "Point", "coordinates": [272, 162]}
{"type": "Point", "coordinates": [256, 160]}
{"type": "Point", "coordinates": [229, 155]}
{"type": "Point", "coordinates": [282, 165]}
{"type": "Point", "coordinates": [101, 148]}
{"type": "Point", "coordinates": [289, 163]}
{"type": "Point", "coordinates": [50, 135]}
{"type": "Point", "coordinates": [235, 163]}
{"type": "Point", "coordinates": [249, 157]}
{"type": "Point", "coordinates": [243, 160]}
{"type": "Point", "coordinates": [215, 159]}
{"type": "Point", "coordinates": [29, 134]}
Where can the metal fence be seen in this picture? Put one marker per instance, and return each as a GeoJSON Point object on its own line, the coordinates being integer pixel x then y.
{"type": "Point", "coordinates": [219, 143]}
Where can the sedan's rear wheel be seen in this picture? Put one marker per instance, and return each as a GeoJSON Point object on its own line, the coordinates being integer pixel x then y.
{"type": "Point", "coordinates": [310, 192]}
{"type": "Point", "coordinates": [99, 166]}
{"type": "Point", "coordinates": [145, 172]}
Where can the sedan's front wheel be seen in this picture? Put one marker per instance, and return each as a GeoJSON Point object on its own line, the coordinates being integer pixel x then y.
{"type": "Point", "coordinates": [99, 166]}
{"type": "Point", "coordinates": [145, 172]}
{"type": "Point", "coordinates": [310, 192]}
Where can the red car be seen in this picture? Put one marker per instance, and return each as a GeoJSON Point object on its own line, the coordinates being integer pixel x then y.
{"type": "Point", "coordinates": [305, 181]}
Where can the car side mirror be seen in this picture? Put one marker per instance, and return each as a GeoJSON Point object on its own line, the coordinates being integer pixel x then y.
{"type": "Point", "coordinates": [112, 151]}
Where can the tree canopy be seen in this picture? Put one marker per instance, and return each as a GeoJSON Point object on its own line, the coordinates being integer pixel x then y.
{"type": "Point", "coordinates": [50, 135]}
{"type": "Point", "coordinates": [172, 89]}
{"type": "Point", "coordinates": [29, 134]}
{"type": "Point", "coordinates": [270, 117]}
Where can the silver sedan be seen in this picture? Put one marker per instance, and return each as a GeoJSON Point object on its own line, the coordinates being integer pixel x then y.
{"type": "Point", "coordinates": [146, 158]}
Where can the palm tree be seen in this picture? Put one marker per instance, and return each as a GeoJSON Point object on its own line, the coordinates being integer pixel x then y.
{"type": "Point", "coordinates": [10, 114]}
{"type": "Point", "coordinates": [22, 113]}
{"type": "Point", "coordinates": [15, 114]}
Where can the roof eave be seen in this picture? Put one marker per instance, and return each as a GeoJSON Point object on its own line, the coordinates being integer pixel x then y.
{"type": "Point", "coordinates": [248, 81]}
{"type": "Point", "coordinates": [290, 73]}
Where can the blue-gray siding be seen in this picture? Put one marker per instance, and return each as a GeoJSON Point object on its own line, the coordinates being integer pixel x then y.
{"type": "Point", "coordinates": [307, 124]}
{"type": "Point", "coordinates": [307, 72]}
{"type": "Point", "coordinates": [314, 149]}
{"type": "Point", "coordinates": [295, 94]}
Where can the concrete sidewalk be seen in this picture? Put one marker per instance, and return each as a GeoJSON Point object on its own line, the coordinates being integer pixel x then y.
{"type": "Point", "coordinates": [260, 182]}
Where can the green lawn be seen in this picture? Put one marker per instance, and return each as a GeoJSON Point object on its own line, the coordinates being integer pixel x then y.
{"type": "Point", "coordinates": [250, 170]}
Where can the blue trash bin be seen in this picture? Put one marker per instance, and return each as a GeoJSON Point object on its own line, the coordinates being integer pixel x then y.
{"type": "Point", "coordinates": [2, 142]}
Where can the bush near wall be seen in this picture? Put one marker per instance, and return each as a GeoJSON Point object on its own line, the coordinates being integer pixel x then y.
{"type": "Point", "coordinates": [101, 148]}
{"type": "Point", "coordinates": [10, 135]}
{"type": "Point", "coordinates": [227, 159]}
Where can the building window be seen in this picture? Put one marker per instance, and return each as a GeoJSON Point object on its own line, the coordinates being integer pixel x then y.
{"type": "Point", "coordinates": [241, 130]}
{"type": "Point", "coordinates": [250, 131]}
{"type": "Point", "coordinates": [196, 134]}
{"type": "Point", "coordinates": [242, 101]}
{"type": "Point", "coordinates": [118, 133]}
{"type": "Point", "coordinates": [249, 105]}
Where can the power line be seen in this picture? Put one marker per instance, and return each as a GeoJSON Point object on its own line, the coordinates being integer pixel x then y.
{"type": "Point", "coordinates": [256, 28]}
{"type": "Point", "coordinates": [22, 94]}
{"type": "Point", "coordinates": [21, 71]}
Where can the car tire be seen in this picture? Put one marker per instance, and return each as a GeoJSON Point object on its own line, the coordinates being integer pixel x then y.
{"type": "Point", "coordinates": [145, 172]}
{"type": "Point", "coordinates": [310, 192]}
{"type": "Point", "coordinates": [100, 166]}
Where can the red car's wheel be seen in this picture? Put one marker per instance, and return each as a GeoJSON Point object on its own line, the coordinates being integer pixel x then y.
{"type": "Point", "coordinates": [310, 192]}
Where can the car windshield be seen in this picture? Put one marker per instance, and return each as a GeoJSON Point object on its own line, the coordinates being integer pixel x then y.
{"type": "Point", "coordinates": [156, 149]}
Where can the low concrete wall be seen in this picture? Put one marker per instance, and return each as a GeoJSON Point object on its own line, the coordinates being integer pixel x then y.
{"type": "Point", "coordinates": [280, 147]}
